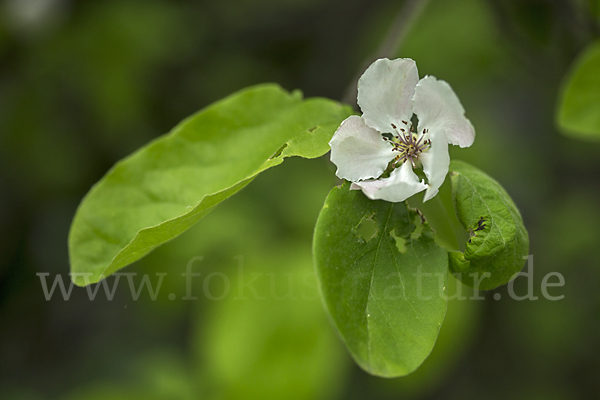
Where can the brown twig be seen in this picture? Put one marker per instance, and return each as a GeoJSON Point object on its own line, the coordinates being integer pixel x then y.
{"type": "Point", "coordinates": [390, 46]}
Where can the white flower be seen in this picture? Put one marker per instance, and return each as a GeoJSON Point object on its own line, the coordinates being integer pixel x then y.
{"type": "Point", "coordinates": [389, 92]}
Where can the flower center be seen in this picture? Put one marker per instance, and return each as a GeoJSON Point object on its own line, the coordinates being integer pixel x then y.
{"type": "Point", "coordinates": [408, 144]}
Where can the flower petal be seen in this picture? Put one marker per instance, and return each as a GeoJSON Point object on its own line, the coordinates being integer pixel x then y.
{"type": "Point", "coordinates": [385, 93]}
{"type": "Point", "coordinates": [436, 162]}
{"type": "Point", "coordinates": [359, 151]}
{"type": "Point", "coordinates": [402, 184]}
{"type": "Point", "coordinates": [438, 107]}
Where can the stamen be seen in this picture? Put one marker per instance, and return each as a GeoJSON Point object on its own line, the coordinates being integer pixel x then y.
{"type": "Point", "coordinates": [409, 145]}
{"type": "Point", "coordinates": [419, 141]}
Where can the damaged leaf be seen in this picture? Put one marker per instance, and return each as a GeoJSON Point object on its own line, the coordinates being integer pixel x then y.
{"type": "Point", "coordinates": [498, 240]}
{"type": "Point", "coordinates": [386, 304]}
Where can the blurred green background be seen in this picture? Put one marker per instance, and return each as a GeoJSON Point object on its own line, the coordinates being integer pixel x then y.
{"type": "Point", "coordinates": [84, 83]}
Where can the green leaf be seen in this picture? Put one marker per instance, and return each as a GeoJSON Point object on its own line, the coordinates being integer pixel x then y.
{"type": "Point", "coordinates": [461, 324]}
{"type": "Point", "coordinates": [164, 188]}
{"type": "Point", "coordinates": [385, 293]}
{"type": "Point", "coordinates": [579, 109]}
{"type": "Point", "coordinates": [498, 239]}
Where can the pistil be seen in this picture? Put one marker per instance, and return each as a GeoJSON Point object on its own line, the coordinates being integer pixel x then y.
{"type": "Point", "coordinates": [409, 144]}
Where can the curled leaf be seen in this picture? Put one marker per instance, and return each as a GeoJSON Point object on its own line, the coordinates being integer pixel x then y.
{"type": "Point", "coordinates": [498, 240]}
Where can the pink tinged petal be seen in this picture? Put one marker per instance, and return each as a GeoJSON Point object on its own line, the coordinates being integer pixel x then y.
{"type": "Point", "coordinates": [358, 151]}
{"type": "Point", "coordinates": [438, 107]}
{"type": "Point", "coordinates": [402, 184]}
{"type": "Point", "coordinates": [436, 162]}
{"type": "Point", "coordinates": [385, 93]}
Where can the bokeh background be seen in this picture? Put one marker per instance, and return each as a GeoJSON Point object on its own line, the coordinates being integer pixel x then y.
{"type": "Point", "coordinates": [84, 83]}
